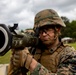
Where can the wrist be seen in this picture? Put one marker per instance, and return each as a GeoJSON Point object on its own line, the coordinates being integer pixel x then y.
{"type": "Point", "coordinates": [28, 61]}
{"type": "Point", "coordinates": [33, 65]}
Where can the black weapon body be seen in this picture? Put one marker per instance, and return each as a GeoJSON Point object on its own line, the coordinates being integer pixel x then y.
{"type": "Point", "coordinates": [14, 41]}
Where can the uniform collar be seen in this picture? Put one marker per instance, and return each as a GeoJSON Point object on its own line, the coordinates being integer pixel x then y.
{"type": "Point", "coordinates": [52, 50]}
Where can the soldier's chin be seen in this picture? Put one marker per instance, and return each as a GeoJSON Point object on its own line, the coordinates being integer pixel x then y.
{"type": "Point", "coordinates": [47, 42]}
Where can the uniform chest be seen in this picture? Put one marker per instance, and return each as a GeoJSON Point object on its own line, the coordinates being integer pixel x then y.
{"type": "Point", "coordinates": [50, 61]}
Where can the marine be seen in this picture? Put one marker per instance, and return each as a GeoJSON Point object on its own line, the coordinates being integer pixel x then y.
{"type": "Point", "coordinates": [50, 56]}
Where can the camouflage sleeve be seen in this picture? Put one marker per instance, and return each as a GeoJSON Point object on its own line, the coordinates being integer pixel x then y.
{"type": "Point", "coordinates": [67, 65]}
{"type": "Point", "coordinates": [41, 70]}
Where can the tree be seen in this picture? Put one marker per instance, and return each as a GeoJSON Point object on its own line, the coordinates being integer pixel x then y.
{"type": "Point", "coordinates": [65, 31]}
{"type": "Point", "coordinates": [70, 30]}
{"type": "Point", "coordinates": [73, 29]}
{"type": "Point", "coordinates": [65, 19]}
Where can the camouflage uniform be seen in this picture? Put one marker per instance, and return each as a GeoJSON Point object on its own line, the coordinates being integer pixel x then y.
{"type": "Point", "coordinates": [63, 64]}
{"type": "Point", "coordinates": [60, 60]}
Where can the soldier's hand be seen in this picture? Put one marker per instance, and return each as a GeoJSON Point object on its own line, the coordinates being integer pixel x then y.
{"type": "Point", "coordinates": [22, 58]}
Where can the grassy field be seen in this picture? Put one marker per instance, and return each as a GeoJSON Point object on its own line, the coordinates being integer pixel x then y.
{"type": "Point", "coordinates": [6, 58]}
{"type": "Point", "coordinates": [73, 44]}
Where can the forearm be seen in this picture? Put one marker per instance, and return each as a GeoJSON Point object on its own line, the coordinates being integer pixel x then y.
{"type": "Point", "coordinates": [24, 59]}
{"type": "Point", "coordinates": [37, 69]}
{"type": "Point", "coordinates": [33, 65]}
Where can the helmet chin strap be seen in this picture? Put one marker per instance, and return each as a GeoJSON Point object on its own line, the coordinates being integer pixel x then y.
{"type": "Point", "coordinates": [55, 37]}
{"type": "Point", "coordinates": [57, 33]}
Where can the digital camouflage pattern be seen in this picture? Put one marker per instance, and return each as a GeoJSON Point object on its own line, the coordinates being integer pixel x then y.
{"type": "Point", "coordinates": [47, 16]}
{"type": "Point", "coordinates": [67, 64]}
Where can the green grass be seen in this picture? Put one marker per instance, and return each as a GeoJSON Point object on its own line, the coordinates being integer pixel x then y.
{"type": "Point", "coordinates": [73, 44]}
{"type": "Point", "coordinates": [6, 58]}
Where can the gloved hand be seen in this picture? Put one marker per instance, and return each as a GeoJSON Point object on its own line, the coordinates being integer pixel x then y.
{"type": "Point", "coordinates": [22, 58]}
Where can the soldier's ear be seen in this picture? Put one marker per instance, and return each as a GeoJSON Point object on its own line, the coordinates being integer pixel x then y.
{"type": "Point", "coordinates": [58, 29]}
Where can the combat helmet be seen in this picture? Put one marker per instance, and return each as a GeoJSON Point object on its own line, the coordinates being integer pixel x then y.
{"type": "Point", "coordinates": [47, 17]}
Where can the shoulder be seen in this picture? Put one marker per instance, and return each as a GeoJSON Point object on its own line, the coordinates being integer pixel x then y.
{"type": "Point", "coordinates": [67, 52]}
{"type": "Point", "coordinates": [68, 49]}
{"type": "Point", "coordinates": [68, 59]}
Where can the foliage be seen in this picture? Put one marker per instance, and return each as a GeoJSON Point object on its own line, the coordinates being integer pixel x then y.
{"type": "Point", "coordinates": [6, 58]}
{"type": "Point", "coordinates": [70, 30]}
{"type": "Point", "coordinates": [65, 19]}
{"type": "Point", "coordinates": [73, 44]}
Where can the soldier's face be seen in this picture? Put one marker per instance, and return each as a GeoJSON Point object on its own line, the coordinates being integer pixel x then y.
{"type": "Point", "coordinates": [47, 35]}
